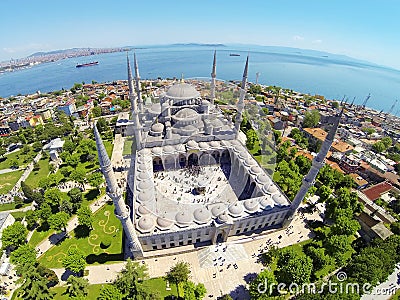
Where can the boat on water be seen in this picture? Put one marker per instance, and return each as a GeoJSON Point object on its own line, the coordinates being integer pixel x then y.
{"type": "Point", "coordinates": [234, 54]}
{"type": "Point", "coordinates": [93, 63]}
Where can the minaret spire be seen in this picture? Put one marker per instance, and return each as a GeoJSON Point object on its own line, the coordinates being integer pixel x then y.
{"type": "Point", "coordinates": [122, 211]}
{"type": "Point", "coordinates": [134, 107]}
{"type": "Point", "coordinates": [317, 164]}
{"type": "Point", "coordinates": [137, 81]}
{"type": "Point", "coordinates": [240, 105]}
{"type": "Point", "coordinates": [213, 76]}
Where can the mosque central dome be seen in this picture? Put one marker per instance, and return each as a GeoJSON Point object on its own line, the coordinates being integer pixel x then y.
{"type": "Point", "coordinates": [182, 91]}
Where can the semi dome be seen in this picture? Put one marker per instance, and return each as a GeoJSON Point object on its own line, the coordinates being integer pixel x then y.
{"type": "Point", "coordinates": [202, 215]}
{"type": "Point", "coordinates": [272, 188]}
{"type": "Point", "coordinates": [263, 179]}
{"type": "Point", "coordinates": [186, 113]}
{"type": "Point", "coordinates": [251, 205]}
{"type": "Point", "coordinates": [203, 145]}
{"type": "Point", "coordinates": [223, 218]}
{"type": "Point", "coordinates": [184, 218]}
{"type": "Point", "coordinates": [156, 150]}
{"type": "Point", "coordinates": [215, 144]}
{"type": "Point", "coordinates": [169, 149]}
{"type": "Point", "coordinates": [146, 224]}
{"type": "Point", "coordinates": [236, 209]}
{"type": "Point", "coordinates": [182, 91]}
{"type": "Point", "coordinates": [267, 203]}
{"type": "Point", "coordinates": [255, 169]}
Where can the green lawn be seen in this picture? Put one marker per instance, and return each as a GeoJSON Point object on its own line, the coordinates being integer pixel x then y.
{"type": "Point", "coordinates": [18, 215]}
{"type": "Point", "coordinates": [128, 146]}
{"type": "Point", "coordinates": [159, 284]}
{"type": "Point", "coordinates": [94, 292]}
{"type": "Point", "coordinates": [35, 176]}
{"type": "Point", "coordinates": [105, 225]}
{"type": "Point", "coordinates": [39, 235]}
{"type": "Point", "coordinates": [109, 147]}
{"type": "Point", "coordinates": [23, 159]}
{"type": "Point", "coordinates": [8, 180]}
{"type": "Point", "coordinates": [396, 296]}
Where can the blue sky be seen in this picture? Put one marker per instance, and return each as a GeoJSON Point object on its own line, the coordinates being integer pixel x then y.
{"type": "Point", "coordinates": [362, 29]}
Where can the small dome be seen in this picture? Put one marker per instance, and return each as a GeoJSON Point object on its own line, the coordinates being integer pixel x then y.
{"type": "Point", "coordinates": [184, 217]}
{"type": "Point", "coordinates": [215, 144]}
{"type": "Point", "coordinates": [180, 147]}
{"type": "Point", "coordinates": [182, 91]}
{"type": "Point", "coordinates": [267, 203]}
{"type": "Point", "coordinates": [217, 210]}
{"type": "Point", "coordinates": [143, 210]}
{"type": "Point", "coordinates": [249, 162]}
{"type": "Point", "coordinates": [144, 185]}
{"type": "Point", "coordinates": [157, 127]}
{"type": "Point", "coordinates": [223, 218]}
{"type": "Point", "coordinates": [156, 150]}
{"type": "Point", "coordinates": [203, 145]}
{"type": "Point", "coordinates": [205, 102]}
{"type": "Point", "coordinates": [164, 223]}
{"type": "Point", "coordinates": [186, 113]}
{"type": "Point", "coordinates": [235, 142]}
{"type": "Point", "coordinates": [251, 205]}
{"type": "Point", "coordinates": [192, 144]}
{"type": "Point", "coordinates": [146, 224]}
{"type": "Point", "coordinates": [236, 209]}
{"type": "Point", "coordinates": [263, 179]}
{"type": "Point", "coordinates": [217, 123]}
{"type": "Point", "coordinates": [169, 149]}
{"type": "Point", "coordinates": [280, 200]}
{"type": "Point", "coordinates": [272, 188]}
{"type": "Point", "coordinates": [142, 167]}
{"type": "Point", "coordinates": [145, 196]}
{"type": "Point", "coordinates": [143, 176]}
{"type": "Point", "coordinates": [255, 169]}
{"type": "Point", "coordinates": [202, 215]}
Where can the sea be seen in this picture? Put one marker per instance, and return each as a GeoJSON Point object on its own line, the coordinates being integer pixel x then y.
{"type": "Point", "coordinates": [306, 71]}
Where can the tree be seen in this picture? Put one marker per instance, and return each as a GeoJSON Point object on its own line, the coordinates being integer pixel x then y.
{"type": "Point", "coordinates": [78, 175]}
{"type": "Point", "coordinates": [339, 247]}
{"type": "Point", "coordinates": [26, 149]}
{"type": "Point", "coordinates": [18, 201]}
{"type": "Point", "coordinates": [53, 197]}
{"type": "Point", "coordinates": [95, 179]}
{"type": "Point", "coordinates": [24, 255]}
{"type": "Point", "coordinates": [27, 190]}
{"type": "Point", "coordinates": [37, 146]}
{"type": "Point", "coordinates": [318, 256]}
{"type": "Point", "coordinates": [67, 206]}
{"type": "Point", "coordinates": [14, 236]}
{"type": "Point", "coordinates": [344, 225]}
{"type": "Point", "coordinates": [14, 164]}
{"type": "Point", "coordinates": [58, 221]}
{"type": "Point", "coordinates": [96, 111]}
{"type": "Point", "coordinates": [387, 141]}
{"type": "Point", "coordinates": [311, 118]}
{"type": "Point", "coordinates": [293, 267]}
{"type": "Point", "coordinates": [73, 160]}
{"type": "Point", "coordinates": [49, 274]}
{"type": "Point", "coordinates": [346, 201]}
{"type": "Point", "coordinates": [262, 286]}
{"type": "Point", "coordinates": [252, 139]}
{"type": "Point", "coordinates": [34, 285]}
{"type": "Point", "coordinates": [66, 171]}
{"type": "Point", "coordinates": [77, 286]}
{"type": "Point", "coordinates": [44, 213]}
{"type": "Point", "coordinates": [178, 274]}
{"type": "Point", "coordinates": [85, 217]}
{"type": "Point", "coordinates": [193, 291]}
{"type": "Point", "coordinates": [75, 195]}
{"type": "Point", "coordinates": [69, 146]}
{"type": "Point", "coordinates": [75, 261]}
{"type": "Point", "coordinates": [109, 292]}
{"type": "Point", "coordinates": [379, 147]}
{"type": "Point", "coordinates": [129, 279]}
{"type": "Point", "coordinates": [31, 218]}
{"type": "Point", "coordinates": [102, 124]}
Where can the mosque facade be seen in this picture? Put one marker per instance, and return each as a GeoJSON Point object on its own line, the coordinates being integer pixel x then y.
{"type": "Point", "coordinates": [193, 181]}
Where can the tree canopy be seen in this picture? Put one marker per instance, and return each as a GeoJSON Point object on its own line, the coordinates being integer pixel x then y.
{"type": "Point", "coordinates": [75, 260]}
{"type": "Point", "coordinates": [14, 236]}
{"type": "Point", "coordinates": [311, 118]}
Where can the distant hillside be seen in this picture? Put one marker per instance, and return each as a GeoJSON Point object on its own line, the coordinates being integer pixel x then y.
{"type": "Point", "coordinates": [199, 44]}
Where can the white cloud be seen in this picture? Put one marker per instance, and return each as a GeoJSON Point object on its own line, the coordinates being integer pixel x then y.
{"type": "Point", "coordinates": [298, 38]}
{"type": "Point", "coordinates": [317, 41]}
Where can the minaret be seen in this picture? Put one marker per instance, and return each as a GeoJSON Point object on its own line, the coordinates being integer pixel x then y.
{"type": "Point", "coordinates": [134, 108]}
{"type": "Point", "coordinates": [122, 211]}
{"type": "Point", "coordinates": [137, 82]}
{"type": "Point", "coordinates": [240, 105]}
{"type": "Point", "coordinates": [317, 164]}
{"type": "Point", "coordinates": [213, 76]}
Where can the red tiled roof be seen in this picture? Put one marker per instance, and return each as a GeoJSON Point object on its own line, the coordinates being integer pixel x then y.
{"type": "Point", "coordinates": [374, 192]}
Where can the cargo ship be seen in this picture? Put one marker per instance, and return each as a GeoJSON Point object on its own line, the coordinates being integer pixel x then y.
{"type": "Point", "coordinates": [93, 63]}
{"type": "Point", "coordinates": [234, 54]}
